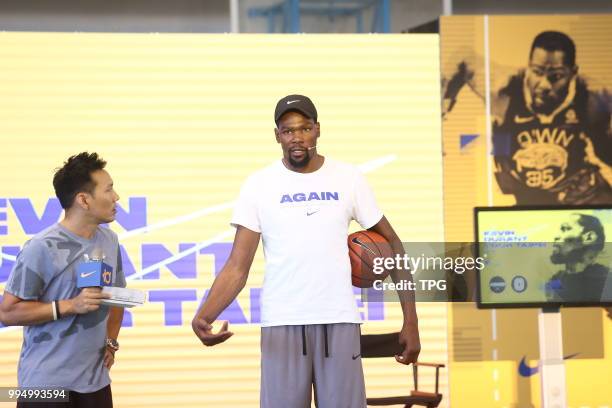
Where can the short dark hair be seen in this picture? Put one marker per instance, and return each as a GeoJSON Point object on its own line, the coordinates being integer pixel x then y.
{"type": "Point", "coordinates": [556, 41]}
{"type": "Point", "coordinates": [590, 223]}
{"type": "Point", "coordinates": [75, 177]}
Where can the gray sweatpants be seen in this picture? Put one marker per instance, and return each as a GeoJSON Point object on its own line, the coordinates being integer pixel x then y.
{"type": "Point", "coordinates": [326, 356]}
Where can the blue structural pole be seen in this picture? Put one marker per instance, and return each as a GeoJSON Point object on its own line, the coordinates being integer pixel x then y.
{"type": "Point", "coordinates": [386, 16]}
{"type": "Point", "coordinates": [294, 15]}
{"type": "Point", "coordinates": [291, 11]}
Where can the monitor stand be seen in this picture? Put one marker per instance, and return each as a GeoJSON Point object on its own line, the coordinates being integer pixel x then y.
{"type": "Point", "coordinates": [552, 367]}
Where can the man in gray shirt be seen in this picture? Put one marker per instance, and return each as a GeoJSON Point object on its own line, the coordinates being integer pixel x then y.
{"type": "Point", "coordinates": [69, 338]}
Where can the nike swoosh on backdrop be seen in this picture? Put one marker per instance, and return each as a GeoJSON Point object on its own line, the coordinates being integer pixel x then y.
{"type": "Point", "coordinates": [526, 371]}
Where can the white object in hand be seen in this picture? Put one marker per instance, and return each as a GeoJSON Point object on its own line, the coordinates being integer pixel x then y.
{"type": "Point", "coordinates": [123, 297]}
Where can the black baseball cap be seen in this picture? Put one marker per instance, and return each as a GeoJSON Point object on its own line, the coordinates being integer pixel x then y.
{"type": "Point", "coordinates": [295, 103]}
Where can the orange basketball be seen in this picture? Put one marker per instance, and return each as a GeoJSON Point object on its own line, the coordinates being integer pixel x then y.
{"type": "Point", "coordinates": [364, 247]}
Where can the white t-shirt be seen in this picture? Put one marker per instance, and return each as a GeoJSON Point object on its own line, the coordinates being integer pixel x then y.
{"type": "Point", "coordinates": [303, 219]}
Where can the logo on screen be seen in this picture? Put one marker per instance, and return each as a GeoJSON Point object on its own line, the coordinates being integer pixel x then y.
{"type": "Point", "coordinates": [497, 284]}
{"type": "Point", "coordinates": [519, 283]}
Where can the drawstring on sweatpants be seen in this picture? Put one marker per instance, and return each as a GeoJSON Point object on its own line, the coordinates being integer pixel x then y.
{"type": "Point", "coordinates": [325, 335]}
{"type": "Point", "coordinates": [303, 340]}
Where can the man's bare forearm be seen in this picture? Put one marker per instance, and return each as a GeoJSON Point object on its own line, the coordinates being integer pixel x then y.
{"type": "Point", "coordinates": [115, 318]}
{"type": "Point", "coordinates": [30, 312]}
{"type": "Point", "coordinates": [406, 297]}
{"type": "Point", "coordinates": [225, 288]}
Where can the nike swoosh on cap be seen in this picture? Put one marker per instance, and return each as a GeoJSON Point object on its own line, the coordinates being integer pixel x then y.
{"type": "Point", "coordinates": [290, 102]}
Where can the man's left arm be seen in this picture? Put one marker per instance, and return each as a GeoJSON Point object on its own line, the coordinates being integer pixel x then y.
{"type": "Point", "coordinates": [409, 335]}
{"type": "Point", "coordinates": [115, 318]}
{"type": "Point", "coordinates": [115, 315]}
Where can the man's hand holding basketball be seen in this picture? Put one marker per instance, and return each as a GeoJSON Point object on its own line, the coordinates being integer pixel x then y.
{"type": "Point", "coordinates": [203, 330]}
{"type": "Point", "coordinates": [409, 338]}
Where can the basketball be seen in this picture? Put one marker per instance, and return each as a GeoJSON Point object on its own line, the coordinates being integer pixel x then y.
{"type": "Point", "coordinates": [364, 247]}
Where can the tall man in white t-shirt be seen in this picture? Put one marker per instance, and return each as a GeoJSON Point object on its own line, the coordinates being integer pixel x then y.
{"type": "Point", "coordinates": [302, 206]}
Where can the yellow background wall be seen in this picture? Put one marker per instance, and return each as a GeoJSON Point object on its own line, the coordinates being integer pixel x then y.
{"type": "Point", "coordinates": [182, 120]}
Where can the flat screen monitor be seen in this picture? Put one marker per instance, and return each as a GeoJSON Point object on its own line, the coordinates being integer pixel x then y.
{"type": "Point", "coordinates": [544, 256]}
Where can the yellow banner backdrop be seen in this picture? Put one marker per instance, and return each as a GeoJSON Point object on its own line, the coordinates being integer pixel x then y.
{"type": "Point", "coordinates": [182, 120]}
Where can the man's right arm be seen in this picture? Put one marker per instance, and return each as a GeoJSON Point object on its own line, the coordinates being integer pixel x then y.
{"type": "Point", "coordinates": [15, 311]}
{"type": "Point", "coordinates": [21, 305]}
{"type": "Point", "coordinates": [228, 284]}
